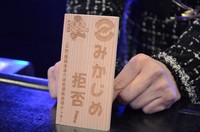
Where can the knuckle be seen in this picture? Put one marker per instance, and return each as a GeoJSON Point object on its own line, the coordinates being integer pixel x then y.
{"type": "Point", "coordinates": [161, 88]}
{"type": "Point", "coordinates": [139, 61]}
{"type": "Point", "coordinates": [118, 84]}
{"type": "Point", "coordinates": [158, 72]}
{"type": "Point", "coordinates": [170, 97]}
{"type": "Point", "coordinates": [168, 100]}
{"type": "Point", "coordinates": [140, 57]}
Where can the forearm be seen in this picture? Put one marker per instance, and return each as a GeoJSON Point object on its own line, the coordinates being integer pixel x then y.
{"type": "Point", "coordinates": [183, 60]}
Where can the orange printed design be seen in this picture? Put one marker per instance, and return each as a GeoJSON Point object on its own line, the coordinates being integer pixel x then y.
{"type": "Point", "coordinates": [104, 29]}
{"type": "Point", "coordinates": [77, 28]}
{"type": "Point", "coordinates": [76, 116]}
{"type": "Point", "coordinates": [100, 52]}
{"type": "Point", "coordinates": [96, 94]}
{"type": "Point", "coordinates": [95, 109]}
{"type": "Point", "coordinates": [79, 80]}
{"type": "Point", "coordinates": [98, 71]}
{"type": "Point", "coordinates": [77, 98]}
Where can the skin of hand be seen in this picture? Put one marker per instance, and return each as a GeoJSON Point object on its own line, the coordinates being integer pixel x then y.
{"type": "Point", "coordinates": [147, 84]}
{"type": "Point", "coordinates": [144, 83]}
{"type": "Point", "coordinates": [53, 79]}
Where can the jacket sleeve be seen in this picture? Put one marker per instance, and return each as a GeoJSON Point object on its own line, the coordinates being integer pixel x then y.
{"type": "Point", "coordinates": [95, 7]}
{"type": "Point", "coordinates": [183, 60]}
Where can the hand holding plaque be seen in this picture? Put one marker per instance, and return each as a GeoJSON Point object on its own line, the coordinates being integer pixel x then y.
{"type": "Point", "coordinates": [87, 67]}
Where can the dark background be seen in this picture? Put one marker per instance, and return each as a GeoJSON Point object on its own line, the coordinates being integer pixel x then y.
{"type": "Point", "coordinates": [31, 30]}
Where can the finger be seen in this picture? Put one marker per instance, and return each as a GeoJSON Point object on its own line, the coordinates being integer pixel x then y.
{"type": "Point", "coordinates": [157, 89]}
{"type": "Point", "coordinates": [146, 97]}
{"type": "Point", "coordinates": [50, 75]}
{"type": "Point", "coordinates": [155, 106]}
{"type": "Point", "coordinates": [160, 88]}
{"type": "Point", "coordinates": [134, 89]}
{"type": "Point", "coordinates": [128, 73]}
{"type": "Point", "coordinates": [51, 82]}
{"type": "Point", "coordinates": [56, 72]}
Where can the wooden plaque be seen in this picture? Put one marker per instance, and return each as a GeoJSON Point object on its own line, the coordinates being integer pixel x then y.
{"type": "Point", "coordinates": [87, 70]}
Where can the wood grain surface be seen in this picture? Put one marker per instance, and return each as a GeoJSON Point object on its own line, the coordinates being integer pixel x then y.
{"type": "Point", "coordinates": [87, 70]}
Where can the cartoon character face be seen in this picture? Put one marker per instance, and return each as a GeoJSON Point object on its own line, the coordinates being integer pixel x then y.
{"type": "Point", "coordinates": [77, 28]}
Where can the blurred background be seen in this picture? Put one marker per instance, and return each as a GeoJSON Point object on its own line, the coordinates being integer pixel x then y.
{"type": "Point", "coordinates": [31, 30]}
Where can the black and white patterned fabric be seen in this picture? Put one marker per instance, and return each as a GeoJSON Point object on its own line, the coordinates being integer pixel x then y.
{"type": "Point", "coordinates": [145, 28]}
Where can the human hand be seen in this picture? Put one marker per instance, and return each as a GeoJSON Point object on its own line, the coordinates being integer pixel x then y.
{"type": "Point", "coordinates": [144, 83]}
{"type": "Point", "coordinates": [53, 78]}
{"type": "Point", "coordinates": [147, 84]}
